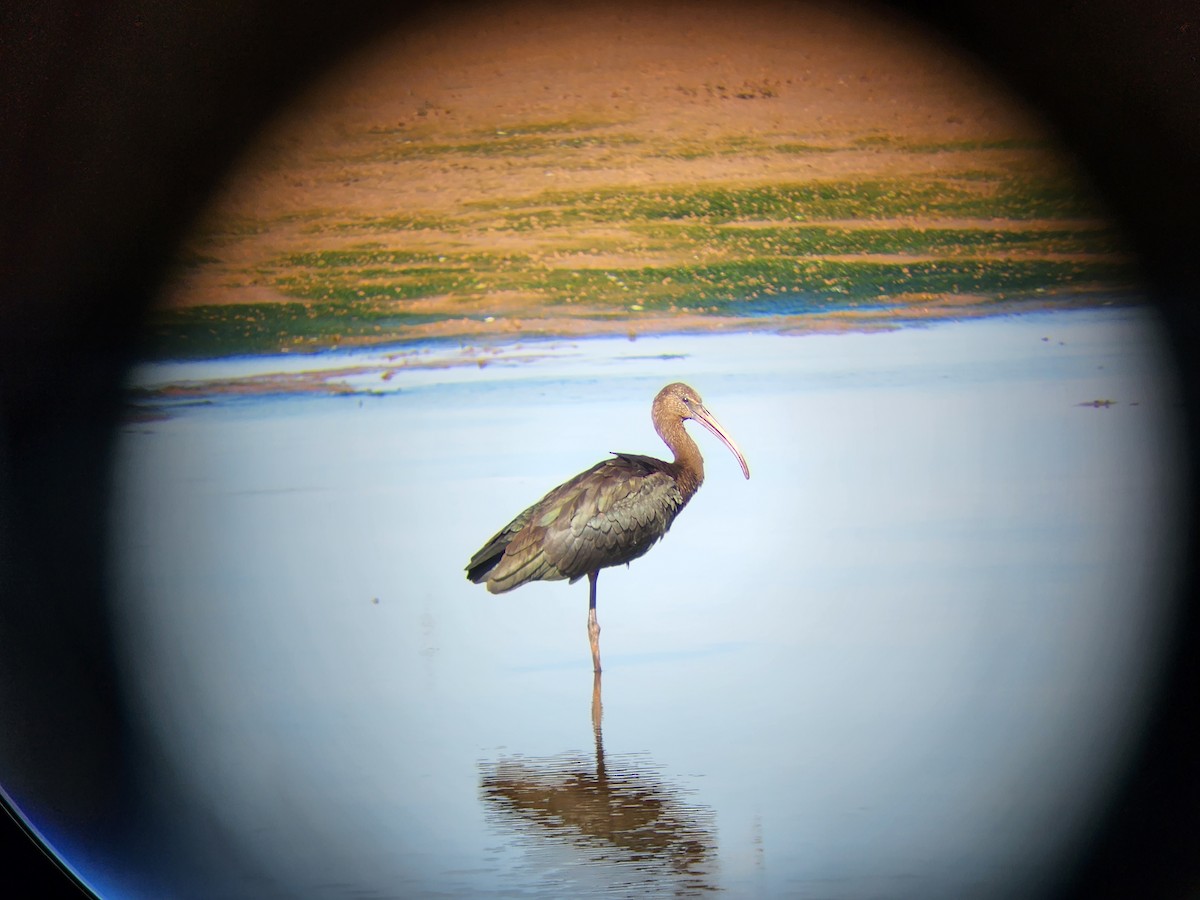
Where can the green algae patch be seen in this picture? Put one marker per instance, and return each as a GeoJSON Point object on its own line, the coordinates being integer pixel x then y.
{"type": "Point", "coordinates": [250, 329]}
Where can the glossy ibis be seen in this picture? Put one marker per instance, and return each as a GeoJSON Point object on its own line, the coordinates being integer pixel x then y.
{"type": "Point", "coordinates": [609, 515]}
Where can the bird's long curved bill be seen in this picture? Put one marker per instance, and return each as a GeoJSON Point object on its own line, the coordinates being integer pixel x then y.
{"type": "Point", "coordinates": [705, 418]}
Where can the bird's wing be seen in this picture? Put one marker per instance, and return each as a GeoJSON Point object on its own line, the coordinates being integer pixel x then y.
{"type": "Point", "coordinates": [523, 556]}
{"type": "Point", "coordinates": [485, 560]}
{"type": "Point", "coordinates": [608, 515]}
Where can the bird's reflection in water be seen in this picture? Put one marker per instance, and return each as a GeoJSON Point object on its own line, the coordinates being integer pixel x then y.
{"type": "Point", "coordinates": [618, 817]}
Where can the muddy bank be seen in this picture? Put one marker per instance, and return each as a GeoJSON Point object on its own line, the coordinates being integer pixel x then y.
{"type": "Point", "coordinates": [640, 168]}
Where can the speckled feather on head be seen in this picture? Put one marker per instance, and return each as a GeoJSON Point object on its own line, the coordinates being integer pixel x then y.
{"type": "Point", "coordinates": [609, 515]}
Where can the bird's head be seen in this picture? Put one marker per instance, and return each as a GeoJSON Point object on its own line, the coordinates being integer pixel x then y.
{"type": "Point", "coordinates": [681, 402]}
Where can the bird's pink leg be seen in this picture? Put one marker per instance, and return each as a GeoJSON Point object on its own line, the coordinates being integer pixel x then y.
{"type": "Point", "coordinates": [593, 625]}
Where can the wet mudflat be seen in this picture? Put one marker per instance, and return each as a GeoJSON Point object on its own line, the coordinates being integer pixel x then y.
{"type": "Point", "coordinates": [903, 660]}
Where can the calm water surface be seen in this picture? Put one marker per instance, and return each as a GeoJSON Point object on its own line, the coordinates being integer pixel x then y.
{"type": "Point", "coordinates": [901, 661]}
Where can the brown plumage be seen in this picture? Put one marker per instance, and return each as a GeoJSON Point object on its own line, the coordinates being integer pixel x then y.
{"type": "Point", "coordinates": [609, 515]}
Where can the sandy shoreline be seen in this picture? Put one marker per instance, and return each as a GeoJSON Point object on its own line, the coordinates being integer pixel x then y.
{"type": "Point", "coordinates": [536, 170]}
{"type": "Point", "coordinates": [373, 369]}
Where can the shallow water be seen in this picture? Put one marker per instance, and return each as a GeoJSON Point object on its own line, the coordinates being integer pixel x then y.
{"type": "Point", "coordinates": [903, 660]}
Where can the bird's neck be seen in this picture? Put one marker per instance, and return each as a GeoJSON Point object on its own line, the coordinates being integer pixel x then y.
{"type": "Point", "coordinates": [688, 464]}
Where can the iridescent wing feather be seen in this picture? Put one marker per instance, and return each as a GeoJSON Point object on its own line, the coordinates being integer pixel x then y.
{"type": "Point", "coordinates": [609, 515]}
